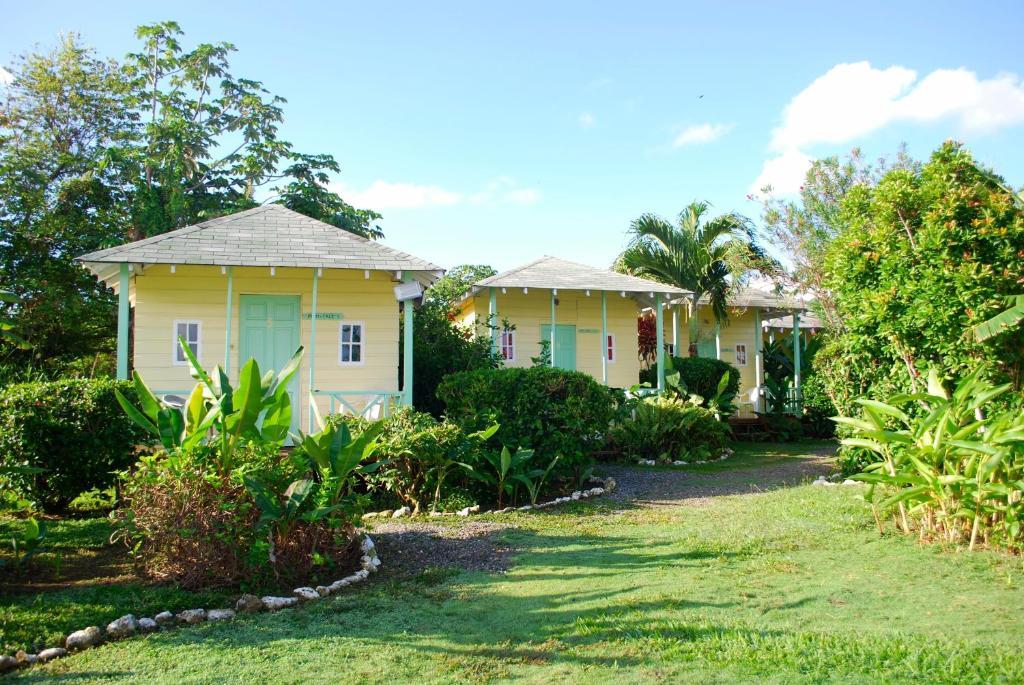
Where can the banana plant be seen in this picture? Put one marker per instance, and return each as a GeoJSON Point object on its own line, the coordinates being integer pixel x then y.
{"type": "Point", "coordinates": [29, 541]}
{"type": "Point", "coordinates": [534, 480]}
{"type": "Point", "coordinates": [336, 455]}
{"type": "Point", "coordinates": [506, 466]}
{"type": "Point", "coordinates": [258, 409]}
{"type": "Point", "coordinates": [451, 460]}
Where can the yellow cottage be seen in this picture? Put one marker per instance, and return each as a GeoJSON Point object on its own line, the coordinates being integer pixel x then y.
{"type": "Point", "coordinates": [585, 317]}
{"type": "Point", "coordinates": [259, 284]}
{"type": "Point", "coordinates": [740, 341]}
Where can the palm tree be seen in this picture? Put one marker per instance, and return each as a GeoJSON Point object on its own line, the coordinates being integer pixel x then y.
{"type": "Point", "coordinates": [702, 255]}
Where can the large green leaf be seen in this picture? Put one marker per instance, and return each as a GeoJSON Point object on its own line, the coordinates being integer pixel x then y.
{"type": "Point", "coordinates": [1002, 322]}
{"type": "Point", "coordinates": [135, 415]}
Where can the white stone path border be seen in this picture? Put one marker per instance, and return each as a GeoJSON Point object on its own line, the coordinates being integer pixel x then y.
{"type": "Point", "coordinates": [726, 453]}
{"type": "Point", "coordinates": [128, 625]}
{"type": "Point", "coordinates": [607, 485]}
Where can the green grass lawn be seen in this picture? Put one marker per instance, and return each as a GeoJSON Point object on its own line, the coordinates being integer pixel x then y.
{"type": "Point", "coordinates": [789, 585]}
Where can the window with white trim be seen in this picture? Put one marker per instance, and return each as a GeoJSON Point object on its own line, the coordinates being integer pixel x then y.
{"type": "Point", "coordinates": [190, 332]}
{"type": "Point", "coordinates": [508, 346]}
{"type": "Point", "coordinates": [610, 347]}
{"type": "Point", "coordinates": [351, 342]}
{"type": "Point", "coordinates": [741, 355]}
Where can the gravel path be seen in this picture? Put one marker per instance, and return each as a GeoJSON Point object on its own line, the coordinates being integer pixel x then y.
{"type": "Point", "coordinates": [653, 488]}
{"type": "Point", "coordinates": [410, 547]}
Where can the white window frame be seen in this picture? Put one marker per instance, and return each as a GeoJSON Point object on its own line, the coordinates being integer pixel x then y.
{"type": "Point", "coordinates": [512, 345]}
{"type": "Point", "coordinates": [361, 343]}
{"type": "Point", "coordinates": [174, 340]}
{"type": "Point", "coordinates": [611, 350]}
{"type": "Point", "coordinates": [736, 354]}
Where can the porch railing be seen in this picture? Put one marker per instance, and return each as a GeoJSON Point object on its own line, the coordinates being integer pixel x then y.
{"type": "Point", "coordinates": [379, 403]}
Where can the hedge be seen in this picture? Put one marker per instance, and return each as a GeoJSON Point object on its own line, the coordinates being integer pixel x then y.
{"type": "Point", "coordinates": [74, 429]}
{"type": "Point", "coordinates": [552, 411]}
{"type": "Point", "coordinates": [700, 375]}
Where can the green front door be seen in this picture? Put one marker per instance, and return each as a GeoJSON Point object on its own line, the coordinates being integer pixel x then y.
{"type": "Point", "coordinates": [565, 344]}
{"type": "Point", "coordinates": [270, 334]}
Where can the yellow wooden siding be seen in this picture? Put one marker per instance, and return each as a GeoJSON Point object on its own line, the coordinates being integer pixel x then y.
{"type": "Point", "coordinates": [529, 311]}
{"type": "Point", "coordinates": [200, 293]}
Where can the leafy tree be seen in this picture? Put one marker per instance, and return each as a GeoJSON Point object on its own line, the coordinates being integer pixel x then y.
{"type": "Point", "coordinates": [448, 290]}
{"type": "Point", "coordinates": [806, 227]}
{"type": "Point", "coordinates": [94, 152]}
{"type": "Point", "coordinates": [702, 255]}
{"type": "Point", "coordinates": [918, 260]}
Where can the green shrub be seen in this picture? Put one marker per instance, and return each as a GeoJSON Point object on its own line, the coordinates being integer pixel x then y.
{"type": "Point", "coordinates": [220, 504]}
{"type": "Point", "coordinates": [552, 411]}
{"type": "Point", "coordinates": [74, 429]}
{"type": "Point", "coordinates": [698, 375]}
{"type": "Point", "coordinates": [418, 456]}
{"type": "Point", "coordinates": [667, 429]}
{"type": "Point", "coordinates": [948, 465]}
{"type": "Point", "coordinates": [818, 409]}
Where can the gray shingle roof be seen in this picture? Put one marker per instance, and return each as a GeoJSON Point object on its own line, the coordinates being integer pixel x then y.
{"type": "Point", "coordinates": [269, 235]}
{"type": "Point", "coordinates": [752, 297]}
{"type": "Point", "coordinates": [552, 272]}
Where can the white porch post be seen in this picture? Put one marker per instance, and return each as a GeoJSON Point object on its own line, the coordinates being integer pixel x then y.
{"type": "Point", "coordinates": [796, 350]}
{"type": "Point", "coordinates": [675, 331]}
{"type": "Point", "coordinates": [659, 318]}
{"type": "Point", "coordinates": [123, 311]}
{"type": "Point", "coordinates": [718, 341]}
{"type": "Point", "coordinates": [407, 348]}
{"type": "Point", "coordinates": [554, 294]}
{"type": "Point", "coordinates": [758, 359]}
{"type": "Point", "coordinates": [492, 319]}
{"type": "Point", "coordinates": [312, 347]}
{"type": "Point", "coordinates": [604, 337]}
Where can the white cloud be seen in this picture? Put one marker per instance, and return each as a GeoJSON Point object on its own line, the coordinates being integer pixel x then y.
{"type": "Point", "coordinates": [785, 173]}
{"type": "Point", "coordinates": [5, 77]}
{"type": "Point", "coordinates": [701, 133]}
{"type": "Point", "coordinates": [852, 100]}
{"type": "Point", "coordinates": [383, 195]}
{"type": "Point", "coordinates": [586, 119]}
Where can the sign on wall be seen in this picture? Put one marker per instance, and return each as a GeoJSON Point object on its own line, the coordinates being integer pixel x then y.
{"type": "Point", "coordinates": [331, 316]}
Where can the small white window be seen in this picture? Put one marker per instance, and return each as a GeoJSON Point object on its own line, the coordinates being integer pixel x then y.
{"type": "Point", "coordinates": [350, 350]}
{"type": "Point", "coordinates": [610, 345]}
{"type": "Point", "coordinates": [190, 331]}
{"type": "Point", "coordinates": [741, 355]}
{"type": "Point", "coordinates": [508, 346]}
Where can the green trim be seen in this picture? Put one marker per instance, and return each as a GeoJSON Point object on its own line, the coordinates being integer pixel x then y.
{"type": "Point", "coordinates": [227, 328]}
{"type": "Point", "coordinates": [604, 337]}
{"type": "Point", "coordinates": [492, 319]}
{"type": "Point", "coordinates": [553, 327]}
{"type": "Point", "coordinates": [796, 350]}
{"type": "Point", "coordinates": [123, 310]}
{"type": "Point", "coordinates": [660, 323]}
{"type": "Point", "coordinates": [407, 347]}
{"type": "Point", "coordinates": [565, 343]}
{"type": "Point", "coordinates": [312, 342]}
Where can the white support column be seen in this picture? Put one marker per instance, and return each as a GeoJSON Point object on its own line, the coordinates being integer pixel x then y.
{"type": "Point", "coordinates": [659, 319]}
{"type": "Point", "coordinates": [758, 359]}
{"type": "Point", "coordinates": [407, 348]}
{"type": "Point", "coordinates": [796, 350]}
{"type": "Point", "coordinates": [312, 347]}
{"type": "Point", "coordinates": [492, 319]}
{"type": "Point", "coordinates": [604, 337]}
{"type": "Point", "coordinates": [718, 341]}
{"type": "Point", "coordinates": [554, 294]}
{"type": "Point", "coordinates": [123, 312]}
{"type": "Point", "coordinates": [675, 331]}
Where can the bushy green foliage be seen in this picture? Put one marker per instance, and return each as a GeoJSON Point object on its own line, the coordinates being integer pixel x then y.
{"type": "Point", "coordinates": [418, 456]}
{"type": "Point", "coordinates": [220, 504]}
{"type": "Point", "coordinates": [552, 411]}
{"type": "Point", "coordinates": [818, 409]}
{"type": "Point", "coordinates": [698, 375]}
{"type": "Point", "coordinates": [920, 258]}
{"type": "Point", "coordinates": [441, 348]}
{"type": "Point", "coordinates": [73, 430]}
{"type": "Point", "coordinates": [953, 467]}
{"type": "Point", "coordinates": [667, 429]}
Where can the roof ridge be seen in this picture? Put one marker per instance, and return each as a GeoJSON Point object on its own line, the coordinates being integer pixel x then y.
{"type": "Point", "coordinates": [509, 272]}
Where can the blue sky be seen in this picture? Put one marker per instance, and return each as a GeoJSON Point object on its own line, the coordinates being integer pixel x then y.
{"type": "Point", "coordinates": [497, 134]}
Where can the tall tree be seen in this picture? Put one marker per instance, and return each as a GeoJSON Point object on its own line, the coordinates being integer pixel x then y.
{"type": "Point", "coordinates": [448, 290]}
{"type": "Point", "coordinates": [94, 152]}
{"type": "Point", "coordinates": [707, 256]}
